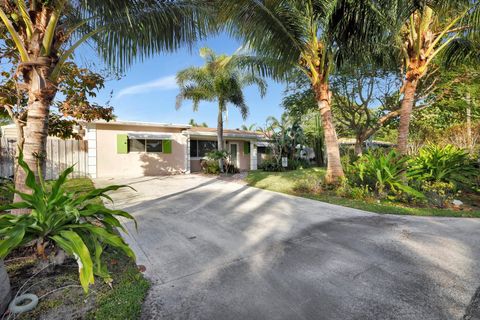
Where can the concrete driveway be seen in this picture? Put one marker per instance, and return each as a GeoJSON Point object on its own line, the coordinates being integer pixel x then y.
{"type": "Point", "coordinates": [220, 250]}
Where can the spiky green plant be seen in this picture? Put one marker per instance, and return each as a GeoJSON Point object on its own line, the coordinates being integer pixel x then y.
{"type": "Point", "coordinates": [70, 221]}
{"type": "Point", "coordinates": [444, 164]}
{"type": "Point", "coordinates": [383, 173]}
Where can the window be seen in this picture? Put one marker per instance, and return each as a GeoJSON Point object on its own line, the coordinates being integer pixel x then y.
{"type": "Point", "coordinates": [154, 145]}
{"type": "Point", "coordinates": [200, 148]}
{"type": "Point", "coordinates": [144, 145]}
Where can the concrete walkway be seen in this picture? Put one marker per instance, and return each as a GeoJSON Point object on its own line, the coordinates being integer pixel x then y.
{"type": "Point", "coordinates": [220, 250]}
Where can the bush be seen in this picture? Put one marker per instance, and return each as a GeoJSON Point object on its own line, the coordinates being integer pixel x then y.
{"type": "Point", "coordinates": [384, 173]}
{"type": "Point", "coordinates": [444, 164]}
{"type": "Point", "coordinates": [210, 166]}
{"type": "Point", "coordinates": [270, 165]}
{"type": "Point", "coordinates": [295, 164]}
{"type": "Point", "coordinates": [439, 193]}
{"type": "Point", "coordinates": [71, 221]}
{"type": "Point", "coordinates": [309, 185]}
{"type": "Point", "coordinates": [217, 155]}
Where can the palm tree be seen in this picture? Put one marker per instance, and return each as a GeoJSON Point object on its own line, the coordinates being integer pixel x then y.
{"type": "Point", "coordinates": [419, 31]}
{"type": "Point", "coordinates": [466, 49]}
{"type": "Point", "coordinates": [193, 123]}
{"type": "Point", "coordinates": [251, 127]}
{"type": "Point", "coordinates": [300, 35]}
{"type": "Point", "coordinates": [220, 80]}
{"type": "Point", "coordinates": [46, 34]}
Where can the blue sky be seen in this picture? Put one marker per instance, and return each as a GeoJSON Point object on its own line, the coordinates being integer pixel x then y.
{"type": "Point", "coordinates": [147, 91]}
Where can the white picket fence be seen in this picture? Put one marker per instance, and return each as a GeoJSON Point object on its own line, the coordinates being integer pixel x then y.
{"type": "Point", "coordinates": [61, 154]}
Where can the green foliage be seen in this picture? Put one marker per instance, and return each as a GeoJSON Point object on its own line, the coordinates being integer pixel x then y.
{"type": "Point", "coordinates": [271, 165]}
{"type": "Point", "coordinates": [210, 166]}
{"type": "Point", "coordinates": [444, 164]}
{"type": "Point", "coordinates": [217, 155]}
{"type": "Point", "coordinates": [310, 185]}
{"type": "Point", "coordinates": [294, 164]}
{"type": "Point", "coordinates": [383, 173]}
{"type": "Point", "coordinates": [438, 193]}
{"type": "Point", "coordinates": [129, 291]}
{"type": "Point", "coordinates": [221, 79]}
{"type": "Point", "coordinates": [285, 182]}
{"type": "Point", "coordinates": [346, 190]}
{"type": "Point", "coordinates": [286, 135]}
{"type": "Point", "coordinates": [72, 221]}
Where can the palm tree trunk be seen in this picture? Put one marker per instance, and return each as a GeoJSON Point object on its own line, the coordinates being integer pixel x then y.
{"type": "Point", "coordinates": [405, 114]}
{"type": "Point", "coordinates": [334, 166]}
{"type": "Point", "coordinates": [220, 135]}
{"type": "Point", "coordinates": [40, 96]}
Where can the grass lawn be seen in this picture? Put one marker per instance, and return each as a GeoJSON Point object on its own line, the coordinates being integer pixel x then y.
{"type": "Point", "coordinates": [122, 300]}
{"type": "Point", "coordinates": [286, 182]}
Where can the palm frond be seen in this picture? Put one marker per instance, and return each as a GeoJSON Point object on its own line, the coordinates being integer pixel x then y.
{"type": "Point", "coordinates": [135, 30]}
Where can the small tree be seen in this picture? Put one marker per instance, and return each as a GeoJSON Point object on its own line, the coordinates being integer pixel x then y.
{"type": "Point", "coordinates": [220, 80]}
{"type": "Point", "coordinates": [77, 87]}
{"type": "Point", "coordinates": [419, 31]}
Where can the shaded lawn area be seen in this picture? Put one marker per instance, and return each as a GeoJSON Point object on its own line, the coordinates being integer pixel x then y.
{"type": "Point", "coordinates": [123, 300]}
{"type": "Point", "coordinates": [286, 182]}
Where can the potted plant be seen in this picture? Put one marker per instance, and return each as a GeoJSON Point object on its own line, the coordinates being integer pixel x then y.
{"type": "Point", "coordinates": [5, 294]}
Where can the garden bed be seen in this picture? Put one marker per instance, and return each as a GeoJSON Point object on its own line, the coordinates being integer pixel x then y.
{"type": "Point", "coordinates": [61, 295]}
{"type": "Point", "coordinates": [288, 182]}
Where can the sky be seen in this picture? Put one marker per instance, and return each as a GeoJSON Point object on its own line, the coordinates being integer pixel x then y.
{"type": "Point", "coordinates": [147, 91]}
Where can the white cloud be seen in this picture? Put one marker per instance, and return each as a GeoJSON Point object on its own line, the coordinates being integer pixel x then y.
{"type": "Point", "coordinates": [160, 84]}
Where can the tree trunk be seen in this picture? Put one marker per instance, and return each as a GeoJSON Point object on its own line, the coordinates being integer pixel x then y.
{"type": "Point", "coordinates": [5, 292]}
{"type": "Point", "coordinates": [405, 114]}
{"type": "Point", "coordinates": [220, 135]}
{"type": "Point", "coordinates": [334, 166]}
{"type": "Point", "coordinates": [470, 145]}
{"type": "Point", "coordinates": [41, 93]}
{"type": "Point", "coordinates": [20, 142]}
{"type": "Point", "coordinates": [359, 146]}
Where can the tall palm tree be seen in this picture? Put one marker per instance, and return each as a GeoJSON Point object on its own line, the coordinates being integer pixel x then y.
{"type": "Point", "coordinates": [419, 31]}
{"type": "Point", "coordinates": [220, 80]}
{"type": "Point", "coordinates": [300, 35]}
{"type": "Point", "coordinates": [46, 34]}
{"type": "Point", "coordinates": [251, 127]}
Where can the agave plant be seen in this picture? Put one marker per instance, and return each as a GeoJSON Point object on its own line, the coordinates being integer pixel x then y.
{"type": "Point", "coordinates": [71, 221]}
{"type": "Point", "coordinates": [383, 173]}
{"type": "Point", "coordinates": [443, 164]}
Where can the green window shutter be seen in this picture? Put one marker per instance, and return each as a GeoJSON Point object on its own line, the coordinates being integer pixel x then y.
{"type": "Point", "coordinates": [122, 143]}
{"type": "Point", "coordinates": [167, 146]}
{"type": "Point", "coordinates": [246, 147]}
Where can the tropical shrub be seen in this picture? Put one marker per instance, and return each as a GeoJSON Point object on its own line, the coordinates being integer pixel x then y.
{"type": "Point", "coordinates": [439, 193]}
{"type": "Point", "coordinates": [294, 164]}
{"type": "Point", "coordinates": [71, 221]}
{"type": "Point", "coordinates": [217, 155]}
{"type": "Point", "coordinates": [383, 173]}
{"type": "Point", "coordinates": [309, 185]}
{"type": "Point", "coordinates": [270, 165]}
{"type": "Point", "coordinates": [210, 166]}
{"type": "Point", "coordinates": [444, 164]}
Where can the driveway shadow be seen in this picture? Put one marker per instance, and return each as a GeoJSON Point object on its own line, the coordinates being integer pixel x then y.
{"type": "Point", "coordinates": [373, 267]}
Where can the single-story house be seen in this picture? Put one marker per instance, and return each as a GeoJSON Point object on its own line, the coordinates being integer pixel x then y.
{"type": "Point", "coordinates": [129, 148]}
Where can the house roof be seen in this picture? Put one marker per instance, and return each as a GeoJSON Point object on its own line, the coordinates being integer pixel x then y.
{"type": "Point", "coordinates": [351, 141]}
{"type": "Point", "coordinates": [228, 133]}
{"type": "Point", "coordinates": [142, 124]}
